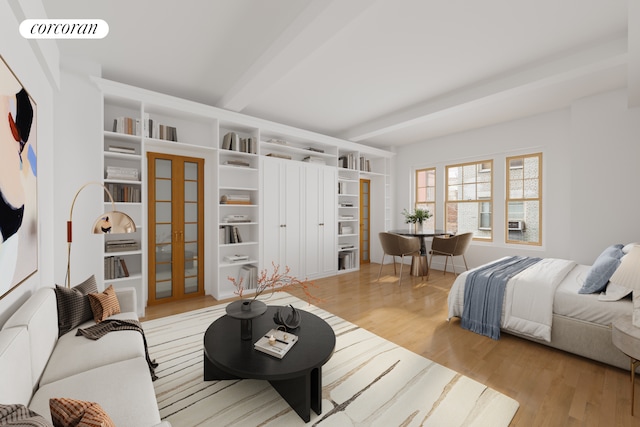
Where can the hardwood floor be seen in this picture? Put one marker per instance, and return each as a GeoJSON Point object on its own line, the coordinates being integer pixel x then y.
{"type": "Point", "coordinates": [553, 388]}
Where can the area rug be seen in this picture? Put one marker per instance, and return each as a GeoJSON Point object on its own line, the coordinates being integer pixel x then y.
{"type": "Point", "coordinates": [368, 381]}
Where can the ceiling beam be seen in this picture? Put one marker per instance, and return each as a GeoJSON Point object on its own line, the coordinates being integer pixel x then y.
{"type": "Point", "coordinates": [633, 70]}
{"type": "Point", "coordinates": [317, 23]}
{"type": "Point", "coordinates": [559, 69]}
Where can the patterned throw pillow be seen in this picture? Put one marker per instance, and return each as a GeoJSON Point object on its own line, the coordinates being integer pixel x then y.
{"type": "Point", "coordinates": [104, 304]}
{"type": "Point", "coordinates": [77, 413]}
{"type": "Point", "coordinates": [19, 415]}
{"type": "Point", "coordinates": [73, 305]}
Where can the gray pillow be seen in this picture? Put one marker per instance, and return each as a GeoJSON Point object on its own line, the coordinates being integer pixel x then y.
{"type": "Point", "coordinates": [16, 415]}
{"type": "Point", "coordinates": [602, 270]}
{"type": "Point", "coordinates": [73, 305]}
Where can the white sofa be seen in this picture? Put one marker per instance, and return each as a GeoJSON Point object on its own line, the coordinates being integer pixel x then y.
{"type": "Point", "coordinates": [36, 365]}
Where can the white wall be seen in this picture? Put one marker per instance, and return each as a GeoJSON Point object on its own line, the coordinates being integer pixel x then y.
{"type": "Point", "coordinates": [590, 179]}
{"type": "Point", "coordinates": [78, 160]}
{"type": "Point", "coordinates": [35, 65]}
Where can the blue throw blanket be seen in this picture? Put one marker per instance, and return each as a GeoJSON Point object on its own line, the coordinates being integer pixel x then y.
{"type": "Point", "coordinates": [484, 294]}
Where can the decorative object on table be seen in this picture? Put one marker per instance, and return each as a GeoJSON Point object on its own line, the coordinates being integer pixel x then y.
{"type": "Point", "coordinates": [276, 342]}
{"type": "Point", "coordinates": [18, 189]}
{"type": "Point", "coordinates": [417, 217]}
{"type": "Point", "coordinates": [287, 318]}
{"type": "Point", "coordinates": [628, 275]}
{"type": "Point", "coordinates": [246, 309]}
{"type": "Point", "coordinates": [113, 222]}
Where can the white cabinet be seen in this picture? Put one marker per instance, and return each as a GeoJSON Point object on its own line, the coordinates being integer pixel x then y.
{"type": "Point", "coordinates": [320, 221]}
{"type": "Point", "coordinates": [282, 219]}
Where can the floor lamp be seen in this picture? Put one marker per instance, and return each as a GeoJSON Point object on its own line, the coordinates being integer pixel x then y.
{"type": "Point", "coordinates": [113, 222]}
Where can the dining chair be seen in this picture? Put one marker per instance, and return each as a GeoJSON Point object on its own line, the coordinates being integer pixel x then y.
{"type": "Point", "coordinates": [397, 245]}
{"type": "Point", "coordinates": [449, 247]}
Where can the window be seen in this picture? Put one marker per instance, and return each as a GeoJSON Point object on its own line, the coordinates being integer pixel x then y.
{"type": "Point", "coordinates": [469, 199]}
{"type": "Point", "coordinates": [426, 193]}
{"type": "Point", "coordinates": [524, 199]}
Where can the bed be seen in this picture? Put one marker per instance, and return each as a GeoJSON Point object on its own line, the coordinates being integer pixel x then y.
{"type": "Point", "coordinates": [543, 304]}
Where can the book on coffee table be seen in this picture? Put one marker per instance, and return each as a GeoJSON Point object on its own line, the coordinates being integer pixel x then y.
{"type": "Point", "coordinates": [276, 342]}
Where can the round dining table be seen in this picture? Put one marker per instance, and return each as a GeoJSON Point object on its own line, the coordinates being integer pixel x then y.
{"type": "Point", "coordinates": [419, 264]}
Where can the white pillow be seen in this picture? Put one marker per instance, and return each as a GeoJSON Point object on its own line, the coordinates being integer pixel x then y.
{"type": "Point", "coordinates": [627, 248]}
{"type": "Point", "coordinates": [614, 293]}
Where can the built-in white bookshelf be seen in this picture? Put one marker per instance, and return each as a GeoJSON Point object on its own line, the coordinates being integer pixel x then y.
{"type": "Point", "coordinates": [235, 148]}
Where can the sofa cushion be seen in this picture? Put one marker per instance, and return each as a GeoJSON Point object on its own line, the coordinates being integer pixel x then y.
{"type": "Point", "coordinates": [124, 389]}
{"type": "Point", "coordinates": [104, 304]}
{"type": "Point", "coordinates": [78, 413]}
{"type": "Point", "coordinates": [39, 314]}
{"type": "Point", "coordinates": [15, 366]}
{"type": "Point", "coordinates": [73, 304]}
{"type": "Point", "coordinates": [20, 415]}
{"type": "Point", "coordinates": [74, 354]}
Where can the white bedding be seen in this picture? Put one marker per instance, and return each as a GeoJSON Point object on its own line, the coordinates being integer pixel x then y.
{"type": "Point", "coordinates": [547, 288]}
{"type": "Point", "coordinates": [528, 298]}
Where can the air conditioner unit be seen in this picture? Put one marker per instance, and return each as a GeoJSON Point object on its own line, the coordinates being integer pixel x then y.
{"type": "Point", "coordinates": [515, 225]}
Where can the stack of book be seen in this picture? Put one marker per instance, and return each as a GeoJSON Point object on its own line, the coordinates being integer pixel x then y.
{"type": "Point", "coordinates": [120, 245]}
{"type": "Point", "coordinates": [127, 125]}
{"type": "Point", "coordinates": [346, 260]}
{"type": "Point", "coordinates": [229, 234]}
{"type": "Point", "coordinates": [235, 218]}
{"type": "Point", "coordinates": [235, 199]}
{"type": "Point", "coordinates": [118, 172]}
{"type": "Point", "coordinates": [122, 149]}
{"type": "Point", "coordinates": [249, 276]}
{"type": "Point", "coordinates": [365, 164]}
{"type": "Point", "coordinates": [237, 162]}
{"type": "Point", "coordinates": [115, 267]}
{"type": "Point", "coordinates": [314, 159]}
{"type": "Point", "coordinates": [276, 342]}
{"type": "Point", "coordinates": [123, 193]}
{"type": "Point", "coordinates": [348, 161]}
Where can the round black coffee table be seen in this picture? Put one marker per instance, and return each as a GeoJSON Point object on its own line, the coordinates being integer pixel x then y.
{"type": "Point", "coordinates": [297, 376]}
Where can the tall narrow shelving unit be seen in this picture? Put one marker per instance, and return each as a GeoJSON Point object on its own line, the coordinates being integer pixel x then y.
{"type": "Point", "coordinates": [238, 205]}
{"type": "Point", "coordinates": [123, 171]}
{"type": "Point", "coordinates": [348, 212]}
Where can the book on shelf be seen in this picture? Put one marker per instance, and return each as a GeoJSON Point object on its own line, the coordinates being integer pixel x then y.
{"type": "Point", "coordinates": [122, 149]}
{"type": "Point", "coordinates": [235, 199]}
{"type": "Point", "coordinates": [279, 156]}
{"type": "Point", "coordinates": [365, 164]}
{"type": "Point", "coordinates": [237, 218]}
{"type": "Point", "coordinates": [115, 267]}
{"type": "Point", "coordinates": [238, 163]}
{"type": "Point", "coordinates": [117, 172]}
{"type": "Point", "coordinates": [127, 125]}
{"type": "Point", "coordinates": [123, 192]}
{"type": "Point", "coordinates": [314, 149]}
{"type": "Point", "coordinates": [121, 245]}
{"type": "Point", "coordinates": [314, 159]}
{"type": "Point", "coordinates": [236, 258]}
{"type": "Point", "coordinates": [276, 342]}
{"type": "Point", "coordinates": [346, 260]}
{"type": "Point", "coordinates": [231, 235]}
{"type": "Point", "coordinates": [347, 161]}
{"type": "Point", "coordinates": [248, 276]}
{"type": "Point", "coordinates": [231, 141]}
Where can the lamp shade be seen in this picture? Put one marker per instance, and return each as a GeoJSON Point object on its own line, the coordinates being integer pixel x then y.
{"type": "Point", "coordinates": [628, 272]}
{"type": "Point", "coordinates": [114, 222]}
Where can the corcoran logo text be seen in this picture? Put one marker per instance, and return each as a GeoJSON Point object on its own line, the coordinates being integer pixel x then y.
{"type": "Point", "coordinates": [64, 28]}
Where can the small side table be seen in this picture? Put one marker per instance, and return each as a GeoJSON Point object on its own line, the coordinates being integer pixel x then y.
{"type": "Point", "coordinates": [626, 337]}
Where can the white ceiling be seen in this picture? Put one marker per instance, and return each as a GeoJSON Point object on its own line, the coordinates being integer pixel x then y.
{"type": "Point", "coordinates": [379, 72]}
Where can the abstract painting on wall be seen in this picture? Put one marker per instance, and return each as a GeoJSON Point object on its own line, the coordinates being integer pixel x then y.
{"type": "Point", "coordinates": [18, 182]}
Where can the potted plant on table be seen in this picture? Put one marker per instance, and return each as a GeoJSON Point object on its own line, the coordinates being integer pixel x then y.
{"type": "Point", "coordinates": [417, 217]}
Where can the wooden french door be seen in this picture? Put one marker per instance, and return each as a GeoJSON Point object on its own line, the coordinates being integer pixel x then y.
{"type": "Point", "coordinates": [365, 223]}
{"type": "Point", "coordinates": [176, 227]}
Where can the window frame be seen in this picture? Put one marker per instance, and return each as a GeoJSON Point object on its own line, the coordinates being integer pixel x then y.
{"type": "Point", "coordinates": [482, 166]}
{"type": "Point", "coordinates": [419, 203]}
{"type": "Point", "coordinates": [523, 200]}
